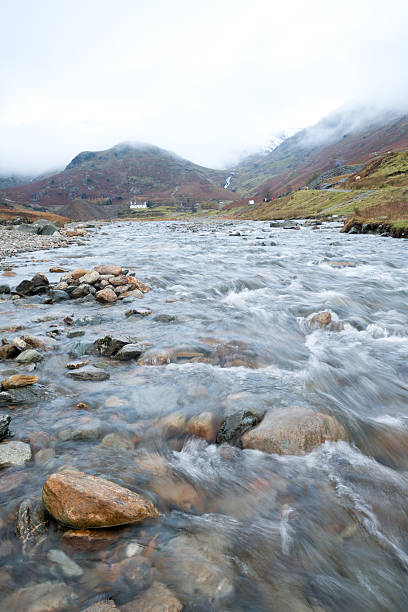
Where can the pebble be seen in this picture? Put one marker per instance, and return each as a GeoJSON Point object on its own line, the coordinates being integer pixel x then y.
{"type": "Point", "coordinates": [68, 567]}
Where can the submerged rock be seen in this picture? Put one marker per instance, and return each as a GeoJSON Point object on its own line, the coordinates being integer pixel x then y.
{"type": "Point", "coordinates": [208, 567]}
{"type": "Point", "coordinates": [158, 598]}
{"type": "Point", "coordinates": [103, 606]}
{"type": "Point", "coordinates": [29, 356]}
{"type": "Point", "coordinates": [14, 452]}
{"type": "Point", "coordinates": [293, 431]}
{"type": "Point", "coordinates": [4, 426]}
{"type": "Point", "coordinates": [203, 425]}
{"type": "Point", "coordinates": [32, 524]}
{"type": "Point", "coordinates": [68, 567]}
{"type": "Point", "coordinates": [79, 500]}
{"type": "Point", "coordinates": [43, 597]}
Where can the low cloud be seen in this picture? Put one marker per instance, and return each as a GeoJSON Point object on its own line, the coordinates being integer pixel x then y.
{"type": "Point", "coordinates": [206, 81]}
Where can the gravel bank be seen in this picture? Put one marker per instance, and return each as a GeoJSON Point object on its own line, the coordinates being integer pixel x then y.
{"type": "Point", "coordinates": [14, 241]}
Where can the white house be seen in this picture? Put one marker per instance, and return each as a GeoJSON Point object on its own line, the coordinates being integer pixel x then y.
{"type": "Point", "coordinates": [135, 204]}
{"type": "Point", "coordinates": [251, 202]}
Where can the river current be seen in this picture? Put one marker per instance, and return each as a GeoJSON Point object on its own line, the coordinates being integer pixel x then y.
{"type": "Point", "coordinates": [240, 529]}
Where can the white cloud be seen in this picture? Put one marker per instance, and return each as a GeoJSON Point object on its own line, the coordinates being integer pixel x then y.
{"type": "Point", "coordinates": [206, 80]}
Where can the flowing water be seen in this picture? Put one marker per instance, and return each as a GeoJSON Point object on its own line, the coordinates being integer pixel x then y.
{"type": "Point", "coordinates": [240, 529]}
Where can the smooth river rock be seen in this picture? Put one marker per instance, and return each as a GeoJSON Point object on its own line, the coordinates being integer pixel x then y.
{"type": "Point", "coordinates": [79, 500]}
{"type": "Point", "coordinates": [157, 598]}
{"type": "Point", "coordinates": [29, 356]}
{"type": "Point", "coordinates": [129, 351]}
{"type": "Point", "coordinates": [293, 431]}
{"type": "Point", "coordinates": [42, 597]}
{"type": "Point", "coordinates": [89, 373]}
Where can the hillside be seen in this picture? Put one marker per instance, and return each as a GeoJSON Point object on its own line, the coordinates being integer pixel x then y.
{"type": "Point", "coordinates": [98, 184]}
{"type": "Point", "coordinates": [377, 195]}
{"type": "Point", "coordinates": [338, 140]}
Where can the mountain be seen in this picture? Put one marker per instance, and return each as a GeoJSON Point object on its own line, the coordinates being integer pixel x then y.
{"type": "Point", "coordinates": [126, 172]}
{"type": "Point", "coordinates": [100, 184]}
{"type": "Point", "coordinates": [13, 180]}
{"type": "Point", "coordinates": [277, 139]}
{"type": "Point", "coordinates": [349, 136]}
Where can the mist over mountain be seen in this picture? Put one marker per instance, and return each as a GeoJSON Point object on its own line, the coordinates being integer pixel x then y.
{"type": "Point", "coordinates": [134, 170]}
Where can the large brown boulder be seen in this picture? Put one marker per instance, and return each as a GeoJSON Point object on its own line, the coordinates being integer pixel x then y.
{"type": "Point", "coordinates": [78, 500]}
{"type": "Point", "coordinates": [293, 431]}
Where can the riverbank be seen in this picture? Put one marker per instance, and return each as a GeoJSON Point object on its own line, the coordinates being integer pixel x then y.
{"type": "Point", "coordinates": [15, 239]}
{"type": "Point", "coordinates": [357, 225]}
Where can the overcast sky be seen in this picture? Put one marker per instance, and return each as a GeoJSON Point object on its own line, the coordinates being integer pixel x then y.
{"type": "Point", "coordinates": [204, 79]}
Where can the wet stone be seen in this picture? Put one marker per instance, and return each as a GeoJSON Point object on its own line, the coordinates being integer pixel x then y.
{"type": "Point", "coordinates": [14, 452]}
{"type": "Point", "coordinates": [79, 500]}
{"type": "Point", "coordinates": [235, 425]}
{"type": "Point", "coordinates": [322, 319]}
{"type": "Point", "coordinates": [129, 351]}
{"type": "Point", "coordinates": [102, 606]}
{"type": "Point", "coordinates": [68, 567]}
{"type": "Point", "coordinates": [157, 598]}
{"type": "Point", "coordinates": [293, 431]}
{"type": "Point", "coordinates": [106, 295]}
{"type": "Point", "coordinates": [42, 597]}
{"type": "Point", "coordinates": [18, 380]}
{"type": "Point", "coordinates": [4, 426]}
{"type": "Point", "coordinates": [9, 351]}
{"type": "Point", "coordinates": [89, 373]}
{"type": "Point", "coordinates": [205, 563]}
{"type": "Point", "coordinates": [29, 356]}
{"type": "Point", "coordinates": [32, 524]}
{"type": "Point", "coordinates": [117, 441]}
{"type": "Point", "coordinates": [75, 333]}
{"type": "Point", "coordinates": [5, 398]}
{"type": "Point", "coordinates": [138, 312]}
{"type": "Point", "coordinates": [108, 346]}
{"type": "Point", "coordinates": [204, 426]}
{"type": "Point", "coordinates": [75, 365]}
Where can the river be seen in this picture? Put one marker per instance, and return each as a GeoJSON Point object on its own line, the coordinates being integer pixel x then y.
{"type": "Point", "coordinates": [240, 529]}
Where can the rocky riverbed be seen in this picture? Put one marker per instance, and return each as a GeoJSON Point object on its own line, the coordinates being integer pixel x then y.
{"type": "Point", "coordinates": [204, 416]}
{"type": "Point", "coordinates": [28, 237]}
